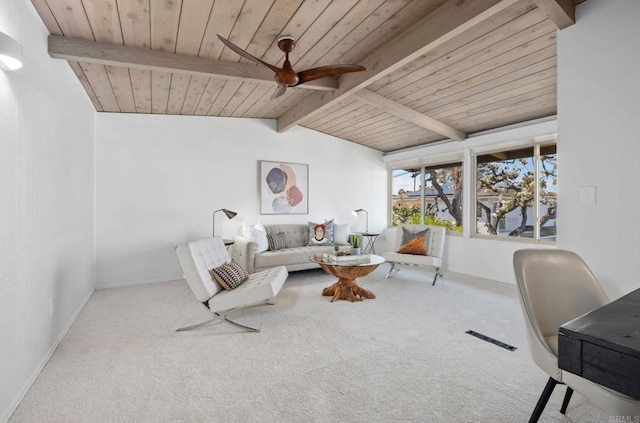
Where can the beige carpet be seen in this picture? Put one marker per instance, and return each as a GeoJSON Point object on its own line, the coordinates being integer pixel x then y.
{"type": "Point", "coordinates": [402, 357]}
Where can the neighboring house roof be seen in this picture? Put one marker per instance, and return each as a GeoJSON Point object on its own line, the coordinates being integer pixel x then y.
{"type": "Point", "coordinates": [431, 191]}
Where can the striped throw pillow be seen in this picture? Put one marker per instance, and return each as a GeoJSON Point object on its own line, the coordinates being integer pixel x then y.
{"type": "Point", "coordinates": [277, 241]}
{"type": "Point", "coordinates": [230, 275]}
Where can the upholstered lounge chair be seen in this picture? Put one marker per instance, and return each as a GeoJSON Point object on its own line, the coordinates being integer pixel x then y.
{"type": "Point", "coordinates": [435, 249]}
{"type": "Point", "coordinates": [197, 258]}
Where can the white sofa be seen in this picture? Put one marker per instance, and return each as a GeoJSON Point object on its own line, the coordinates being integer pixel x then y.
{"type": "Point", "coordinates": [294, 257]}
{"type": "Point", "coordinates": [435, 248]}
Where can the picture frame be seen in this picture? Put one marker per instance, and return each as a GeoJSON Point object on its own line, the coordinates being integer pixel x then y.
{"type": "Point", "coordinates": [283, 187]}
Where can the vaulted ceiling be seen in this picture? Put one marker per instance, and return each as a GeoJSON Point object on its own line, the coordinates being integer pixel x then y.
{"type": "Point", "coordinates": [436, 69]}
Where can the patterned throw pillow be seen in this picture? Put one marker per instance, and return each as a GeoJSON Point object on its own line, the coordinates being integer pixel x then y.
{"type": "Point", "coordinates": [277, 241]}
{"type": "Point", "coordinates": [414, 243]}
{"type": "Point", "coordinates": [321, 233]}
{"type": "Point", "coordinates": [230, 275]}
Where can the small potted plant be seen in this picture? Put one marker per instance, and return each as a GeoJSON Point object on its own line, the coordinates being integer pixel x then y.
{"type": "Point", "coordinates": [355, 240]}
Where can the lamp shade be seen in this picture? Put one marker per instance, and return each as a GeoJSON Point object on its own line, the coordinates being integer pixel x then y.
{"type": "Point", "coordinates": [357, 212]}
{"type": "Point", "coordinates": [10, 53]}
{"type": "Point", "coordinates": [230, 214]}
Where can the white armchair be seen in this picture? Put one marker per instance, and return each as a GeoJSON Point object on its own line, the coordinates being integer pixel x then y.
{"type": "Point", "coordinates": [435, 249]}
{"type": "Point", "coordinates": [197, 258]}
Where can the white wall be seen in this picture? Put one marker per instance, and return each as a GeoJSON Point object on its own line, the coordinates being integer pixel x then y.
{"type": "Point", "coordinates": [46, 204]}
{"type": "Point", "coordinates": [159, 178]}
{"type": "Point", "coordinates": [482, 257]}
{"type": "Point", "coordinates": [598, 109]}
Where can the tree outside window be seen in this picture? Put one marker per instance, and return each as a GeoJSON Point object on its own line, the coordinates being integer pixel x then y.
{"type": "Point", "coordinates": [440, 203]}
{"type": "Point", "coordinates": [506, 192]}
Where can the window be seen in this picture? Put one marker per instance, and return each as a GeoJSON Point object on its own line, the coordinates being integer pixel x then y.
{"type": "Point", "coordinates": [406, 199]}
{"type": "Point", "coordinates": [515, 189]}
{"type": "Point", "coordinates": [430, 195]}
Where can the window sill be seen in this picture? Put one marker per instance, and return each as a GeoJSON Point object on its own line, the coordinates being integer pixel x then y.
{"type": "Point", "coordinates": [517, 239]}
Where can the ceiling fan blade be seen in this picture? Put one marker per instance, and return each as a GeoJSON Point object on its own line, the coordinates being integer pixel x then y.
{"type": "Point", "coordinates": [246, 55]}
{"type": "Point", "coordinates": [331, 70]}
{"type": "Point", "coordinates": [279, 91]}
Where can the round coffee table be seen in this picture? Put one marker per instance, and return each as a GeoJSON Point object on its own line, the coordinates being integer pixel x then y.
{"type": "Point", "coordinates": [347, 271]}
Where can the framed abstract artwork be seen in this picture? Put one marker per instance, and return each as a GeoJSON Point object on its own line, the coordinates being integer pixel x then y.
{"type": "Point", "coordinates": [284, 187]}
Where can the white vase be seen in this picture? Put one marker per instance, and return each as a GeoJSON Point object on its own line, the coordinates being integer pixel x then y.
{"type": "Point", "coordinates": [355, 251]}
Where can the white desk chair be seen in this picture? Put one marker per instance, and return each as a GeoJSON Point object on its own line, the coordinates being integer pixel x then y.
{"type": "Point", "coordinates": [554, 287]}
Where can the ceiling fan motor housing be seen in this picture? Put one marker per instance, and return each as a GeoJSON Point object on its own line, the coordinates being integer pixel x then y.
{"type": "Point", "coordinates": [286, 43]}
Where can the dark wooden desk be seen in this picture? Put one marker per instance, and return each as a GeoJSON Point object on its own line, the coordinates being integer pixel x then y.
{"type": "Point", "coordinates": [604, 345]}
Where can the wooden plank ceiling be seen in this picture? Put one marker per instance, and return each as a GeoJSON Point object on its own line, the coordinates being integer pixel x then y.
{"type": "Point", "coordinates": [436, 69]}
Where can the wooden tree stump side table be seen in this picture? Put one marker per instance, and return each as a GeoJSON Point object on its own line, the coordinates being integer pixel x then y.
{"type": "Point", "coordinates": [346, 287]}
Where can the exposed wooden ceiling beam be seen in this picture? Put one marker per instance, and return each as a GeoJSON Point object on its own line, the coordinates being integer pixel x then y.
{"type": "Point", "coordinates": [410, 115]}
{"type": "Point", "coordinates": [78, 50]}
{"type": "Point", "coordinates": [451, 19]}
{"type": "Point", "coordinates": [560, 12]}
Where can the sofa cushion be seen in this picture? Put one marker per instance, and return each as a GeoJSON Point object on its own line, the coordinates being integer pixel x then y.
{"type": "Point", "coordinates": [297, 233]}
{"type": "Point", "coordinates": [277, 241]}
{"type": "Point", "coordinates": [288, 256]}
{"type": "Point", "coordinates": [230, 275]}
{"type": "Point", "coordinates": [321, 233]}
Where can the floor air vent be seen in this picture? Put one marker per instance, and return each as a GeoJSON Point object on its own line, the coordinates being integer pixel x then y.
{"type": "Point", "coordinates": [491, 340]}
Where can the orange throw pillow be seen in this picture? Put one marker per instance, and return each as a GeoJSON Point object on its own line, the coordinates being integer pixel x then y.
{"type": "Point", "coordinates": [415, 246]}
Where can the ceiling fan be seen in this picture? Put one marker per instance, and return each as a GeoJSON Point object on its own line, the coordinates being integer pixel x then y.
{"type": "Point", "coordinates": [286, 76]}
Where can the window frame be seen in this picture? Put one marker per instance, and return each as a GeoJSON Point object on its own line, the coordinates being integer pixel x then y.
{"type": "Point", "coordinates": [536, 146]}
{"type": "Point", "coordinates": [441, 154]}
{"type": "Point", "coordinates": [423, 168]}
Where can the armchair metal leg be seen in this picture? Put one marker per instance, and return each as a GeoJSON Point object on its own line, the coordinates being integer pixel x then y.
{"type": "Point", "coordinates": [436, 276]}
{"type": "Point", "coordinates": [391, 269]}
{"type": "Point", "coordinates": [197, 325]}
{"type": "Point", "coordinates": [567, 398]}
{"type": "Point", "coordinates": [542, 401]}
{"type": "Point", "coordinates": [249, 328]}
{"type": "Point", "coordinates": [224, 317]}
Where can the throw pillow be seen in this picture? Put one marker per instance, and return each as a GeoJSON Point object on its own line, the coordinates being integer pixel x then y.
{"type": "Point", "coordinates": [257, 234]}
{"type": "Point", "coordinates": [230, 275]}
{"type": "Point", "coordinates": [341, 233]}
{"type": "Point", "coordinates": [277, 241]}
{"type": "Point", "coordinates": [416, 246]}
{"type": "Point", "coordinates": [414, 243]}
{"type": "Point", "coordinates": [321, 233]}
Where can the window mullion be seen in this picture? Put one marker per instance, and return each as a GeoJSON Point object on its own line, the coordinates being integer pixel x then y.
{"type": "Point", "coordinates": [422, 192]}
{"type": "Point", "coordinates": [536, 192]}
{"type": "Point", "coordinates": [469, 186]}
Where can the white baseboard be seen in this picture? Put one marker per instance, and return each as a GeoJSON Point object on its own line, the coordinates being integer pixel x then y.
{"type": "Point", "coordinates": [34, 375]}
{"type": "Point", "coordinates": [135, 283]}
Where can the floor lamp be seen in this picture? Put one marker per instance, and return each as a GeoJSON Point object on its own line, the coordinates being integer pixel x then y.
{"type": "Point", "coordinates": [230, 215]}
